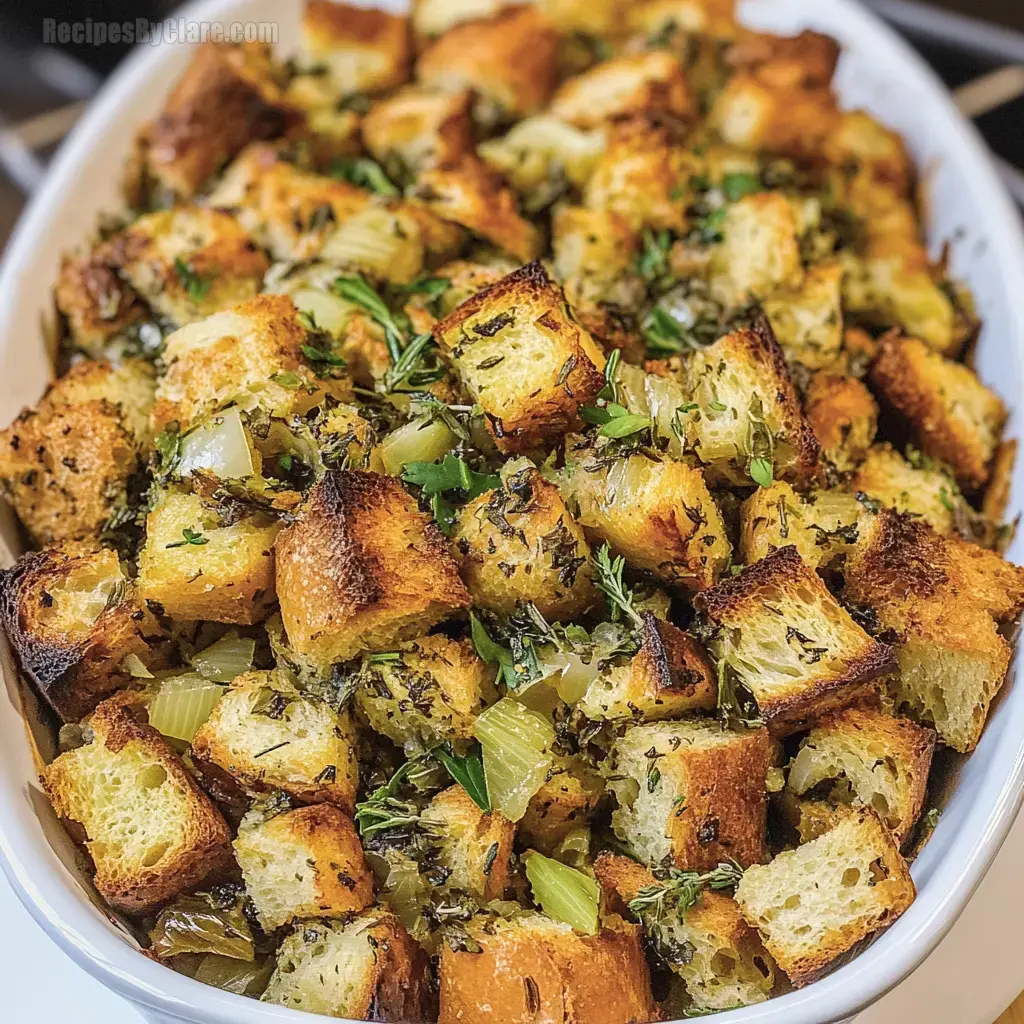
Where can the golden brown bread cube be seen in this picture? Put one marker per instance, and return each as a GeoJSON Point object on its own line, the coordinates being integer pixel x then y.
{"type": "Point", "coordinates": [509, 61]}
{"type": "Point", "coordinates": [870, 757]}
{"type": "Point", "coordinates": [807, 59]}
{"type": "Point", "coordinates": [533, 968]}
{"type": "Point", "coordinates": [844, 417]}
{"type": "Point", "coordinates": [776, 632]}
{"type": "Point", "coordinates": [151, 831]}
{"type": "Point", "coordinates": [715, 18]}
{"type": "Point", "coordinates": [194, 567]}
{"type": "Point", "coordinates": [97, 304]}
{"type": "Point", "coordinates": [65, 463]}
{"type": "Point", "coordinates": [858, 139]}
{"type": "Point", "coordinates": [426, 691]}
{"type": "Point", "coordinates": [269, 736]}
{"type": "Point", "coordinates": [953, 416]}
{"type": "Point", "coordinates": [226, 98]}
{"type": "Point", "coordinates": [691, 793]}
{"type": "Point", "coordinates": [362, 569]}
{"type": "Point", "coordinates": [519, 543]}
{"type": "Point", "coordinates": [523, 358]}
{"type": "Point", "coordinates": [565, 802]}
{"type": "Point", "coordinates": [357, 969]}
{"type": "Point", "coordinates": [303, 864]}
{"type": "Point", "coordinates": [808, 318]}
{"type": "Point", "coordinates": [73, 619]}
{"type": "Point", "coordinates": [814, 903]}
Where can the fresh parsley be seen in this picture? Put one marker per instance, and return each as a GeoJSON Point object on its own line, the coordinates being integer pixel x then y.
{"type": "Point", "coordinates": [493, 653]}
{"type": "Point", "coordinates": [365, 173]}
{"type": "Point", "coordinates": [739, 184]}
{"type": "Point", "coordinates": [195, 284]}
{"type": "Point", "coordinates": [451, 474]}
{"type": "Point", "coordinates": [652, 262]}
{"type": "Point", "coordinates": [762, 472]}
{"type": "Point", "coordinates": [468, 772]}
{"type": "Point", "coordinates": [190, 537]}
{"type": "Point", "coordinates": [319, 355]}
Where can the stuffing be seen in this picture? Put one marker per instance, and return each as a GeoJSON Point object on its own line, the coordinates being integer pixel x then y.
{"type": "Point", "coordinates": [808, 319]}
{"type": "Point", "coordinates": [97, 305]}
{"type": "Point", "coordinates": [843, 414]}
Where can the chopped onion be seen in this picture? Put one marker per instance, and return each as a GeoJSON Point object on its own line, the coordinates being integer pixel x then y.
{"type": "Point", "coordinates": [224, 972]}
{"type": "Point", "coordinates": [516, 746]}
{"type": "Point", "coordinates": [230, 656]}
{"type": "Point", "coordinates": [182, 704]}
{"type": "Point", "coordinates": [380, 242]}
{"type": "Point", "coordinates": [574, 849]}
{"type": "Point", "coordinates": [419, 440]}
{"type": "Point", "coordinates": [134, 666]}
{"type": "Point", "coordinates": [329, 312]}
{"type": "Point", "coordinates": [220, 446]}
{"type": "Point", "coordinates": [564, 893]}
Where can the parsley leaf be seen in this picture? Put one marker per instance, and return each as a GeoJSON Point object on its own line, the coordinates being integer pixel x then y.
{"type": "Point", "coordinates": [624, 425]}
{"type": "Point", "coordinates": [492, 652]}
{"type": "Point", "coordinates": [652, 263]}
{"type": "Point", "coordinates": [195, 284]}
{"type": "Point", "coordinates": [739, 184]}
{"type": "Point", "coordinates": [762, 472]}
{"type": "Point", "coordinates": [191, 537]}
{"type": "Point", "coordinates": [319, 355]}
{"type": "Point", "coordinates": [365, 173]}
{"type": "Point", "coordinates": [468, 772]}
{"type": "Point", "coordinates": [451, 474]}
{"type": "Point", "coordinates": [432, 287]}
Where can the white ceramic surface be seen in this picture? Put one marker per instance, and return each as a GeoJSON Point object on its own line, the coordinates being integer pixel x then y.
{"type": "Point", "coordinates": [970, 208]}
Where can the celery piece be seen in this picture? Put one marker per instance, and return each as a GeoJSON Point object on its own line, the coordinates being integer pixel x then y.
{"type": "Point", "coordinates": [563, 893]}
{"type": "Point", "coordinates": [182, 704]}
{"type": "Point", "coordinates": [230, 656]}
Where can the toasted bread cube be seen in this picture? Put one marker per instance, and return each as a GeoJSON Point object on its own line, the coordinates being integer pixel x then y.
{"type": "Point", "coordinates": [418, 127]}
{"type": "Point", "coordinates": [715, 18]}
{"type": "Point", "coordinates": [814, 903]}
{"type": "Point", "coordinates": [97, 304]}
{"type": "Point", "coordinates": [253, 350]}
{"type": "Point", "coordinates": [564, 803]}
{"type": "Point", "coordinates": [268, 736]}
{"type": "Point", "coordinates": [65, 463]}
{"type": "Point", "coordinates": [510, 61]}
{"type": "Point", "coordinates": [996, 499]}
{"type": "Point", "coordinates": [434, 17]}
{"type": "Point", "coordinates": [858, 139]}
{"type": "Point", "coordinates": [652, 80]}
{"type": "Point", "coordinates": [73, 620]}
{"type": "Point", "coordinates": [641, 175]}
{"type": "Point", "coordinates": [759, 252]}
{"type": "Point", "coordinates": [869, 757]}
{"type": "Point", "coordinates": [583, 18]}
{"type": "Point", "coordinates": [743, 405]}
{"type": "Point", "coordinates": [922, 488]}
{"type": "Point", "coordinates": [519, 543]}
{"type": "Point", "coordinates": [819, 524]}
{"type": "Point", "coordinates": [362, 569]}
{"type": "Point", "coordinates": [475, 847]}
{"type": "Point", "coordinates": [943, 597]}
{"type": "Point", "coordinates": [667, 677]}
{"type": "Point", "coordinates": [226, 98]}
{"type": "Point", "coordinates": [954, 417]}
{"type": "Point", "coordinates": [600, 979]}
{"type": "Point", "coordinates": [523, 358]}
{"type": "Point", "coordinates": [430, 693]}
{"type": "Point", "coordinates": [151, 831]}
{"type": "Point", "coordinates": [808, 319]}
{"type": "Point", "coordinates": [357, 969]}
{"type": "Point", "coordinates": [224, 574]}
{"type": "Point", "coordinates": [784, 638]}
{"type": "Point", "coordinates": [303, 864]}
{"type": "Point", "coordinates": [657, 513]}
{"type": "Point", "coordinates": [469, 193]}
{"type": "Point", "coordinates": [844, 417]}
{"type": "Point", "coordinates": [187, 262]}
{"type": "Point", "coordinates": [725, 964]}
{"type": "Point", "coordinates": [691, 793]}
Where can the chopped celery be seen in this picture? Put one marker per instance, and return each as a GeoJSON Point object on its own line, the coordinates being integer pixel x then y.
{"type": "Point", "coordinates": [135, 667]}
{"type": "Point", "coordinates": [220, 446]}
{"type": "Point", "coordinates": [574, 849]}
{"type": "Point", "coordinates": [230, 656]}
{"type": "Point", "coordinates": [516, 744]}
{"type": "Point", "coordinates": [420, 440]}
{"type": "Point", "coordinates": [206, 922]}
{"type": "Point", "coordinates": [564, 893]}
{"type": "Point", "coordinates": [244, 979]}
{"type": "Point", "coordinates": [182, 704]}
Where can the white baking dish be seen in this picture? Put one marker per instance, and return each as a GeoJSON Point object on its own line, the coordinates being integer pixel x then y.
{"type": "Point", "coordinates": [969, 208]}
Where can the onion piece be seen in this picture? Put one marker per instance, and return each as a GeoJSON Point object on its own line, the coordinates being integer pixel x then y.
{"type": "Point", "coordinates": [420, 440]}
{"type": "Point", "coordinates": [229, 657]}
{"type": "Point", "coordinates": [182, 704]}
{"type": "Point", "coordinates": [220, 446]}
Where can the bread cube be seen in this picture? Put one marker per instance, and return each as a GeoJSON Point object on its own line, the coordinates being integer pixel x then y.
{"type": "Point", "coordinates": [923, 488]}
{"type": "Point", "coordinates": [942, 597]}
{"type": "Point", "coordinates": [187, 262]}
{"type": "Point", "coordinates": [868, 757]}
{"type": "Point", "coordinates": [858, 139]}
{"type": "Point", "coordinates": [151, 831]}
{"type": "Point", "coordinates": [304, 864]}
{"type": "Point", "coordinates": [652, 80]}
{"type": "Point", "coordinates": [657, 513]}
{"type": "Point", "coordinates": [196, 568]}
{"type": "Point", "coordinates": [775, 631]}
{"type": "Point", "coordinates": [96, 303]}
{"type": "Point", "coordinates": [953, 416]}
{"type": "Point", "coordinates": [715, 18]}
{"type": "Point", "coordinates": [523, 358]}
{"type": "Point", "coordinates": [743, 405]}
{"type": "Point", "coordinates": [268, 735]}
{"type": "Point", "coordinates": [844, 417]}
{"type": "Point", "coordinates": [362, 569]}
{"type": "Point", "coordinates": [807, 318]}
{"type": "Point", "coordinates": [565, 802]}
{"type": "Point", "coordinates": [519, 543]}
{"type": "Point", "coordinates": [691, 793]}
{"type": "Point", "coordinates": [469, 193]}
{"type": "Point", "coordinates": [807, 59]}
{"type": "Point", "coordinates": [430, 692]}
{"type": "Point", "coordinates": [510, 61]}
{"type": "Point", "coordinates": [821, 525]}
{"type": "Point", "coordinates": [533, 968]}
{"type": "Point", "coordinates": [669, 676]}
{"type": "Point", "coordinates": [474, 848]}
{"type": "Point", "coordinates": [433, 17]}
{"type": "Point", "coordinates": [719, 957]}
{"type": "Point", "coordinates": [227, 97]}
{"type": "Point", "coordinates": [816, 902]}
{"type": "Point", "coordinates": [65, 463]}
{"type": "Point", "coordinates": [366, 967]}
{"type": "Point", "coordinates": [73, 620]}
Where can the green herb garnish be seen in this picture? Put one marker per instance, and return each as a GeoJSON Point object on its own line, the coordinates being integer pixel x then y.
{"type": "Point", "coordinates": [468, 772]}
{"type": "Point", "coordinates": [195, 284]}
{"type": "Point", "coordinates": [609, 581]}
{"type": "Point", "coordinates": [365, 173]}
{"type": "Point", "coordinates": [191, 537]}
